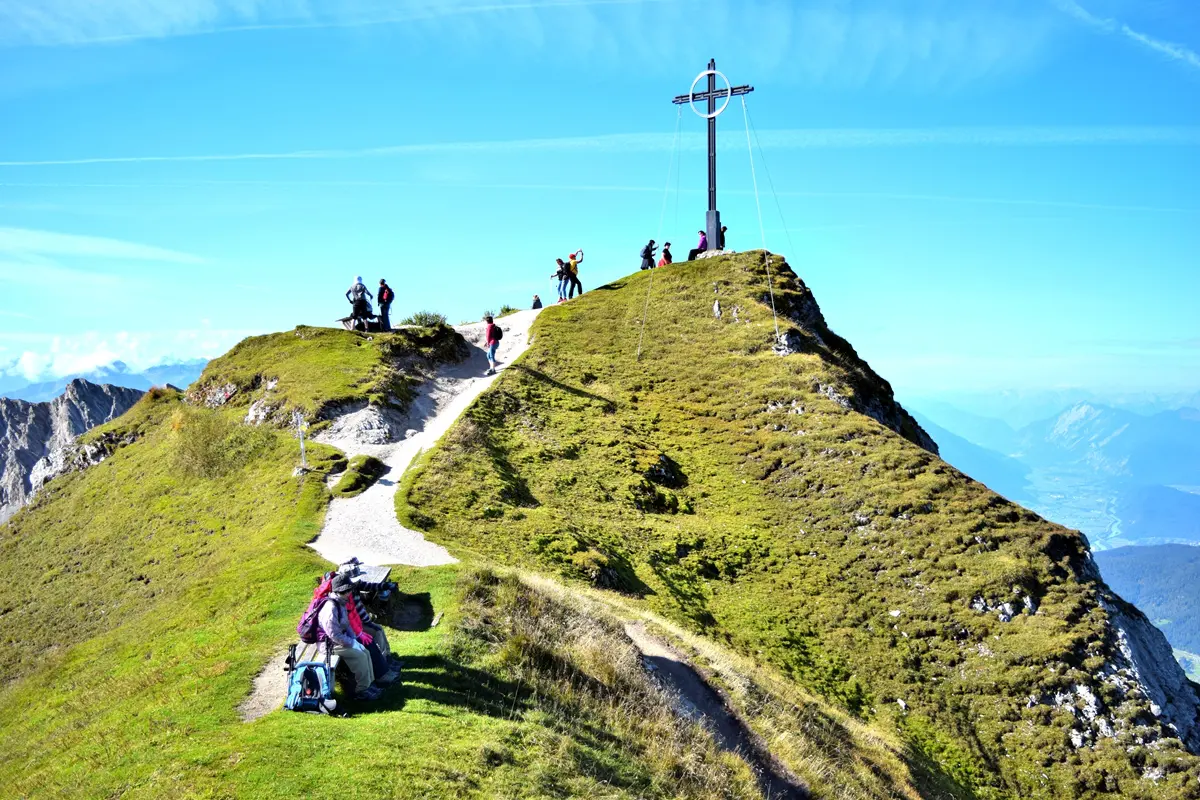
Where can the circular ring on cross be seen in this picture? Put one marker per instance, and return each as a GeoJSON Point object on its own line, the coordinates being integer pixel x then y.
{"type": "Point", "coordinates": [728, 93]}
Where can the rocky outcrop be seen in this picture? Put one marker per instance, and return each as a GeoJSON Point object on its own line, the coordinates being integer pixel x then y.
{"type": "Point", "coordinates": [868, 393]}
{"type": "Point", "coordinates": [36, 439]}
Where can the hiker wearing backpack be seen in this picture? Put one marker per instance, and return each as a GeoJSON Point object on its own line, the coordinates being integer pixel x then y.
{"type": "Point", "coordinates": [334, 623]}
{"type": "Point", "coordinates": [386, 296]}
{"type": "Point", "coordinates": [648, 255]}
{"type": "Point", "coordinates": [573, 262]}
{"type": "Point", "coordinates": [364, 628]}
{"type": "Point", "coordinates": [492, 336]}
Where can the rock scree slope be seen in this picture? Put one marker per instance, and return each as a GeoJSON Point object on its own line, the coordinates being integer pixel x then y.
{"type": "Point", "coordinates": [772, 495]}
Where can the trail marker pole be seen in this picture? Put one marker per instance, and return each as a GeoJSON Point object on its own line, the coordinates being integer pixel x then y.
{"type": "Point", "coordinates": [713, 217]}
{"type": "Point", "coordinates": [300, 426]}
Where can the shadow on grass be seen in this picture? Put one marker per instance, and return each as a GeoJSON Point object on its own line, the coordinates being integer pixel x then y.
{"type": "Point", "coordinates": [608, 405]}
{"type": "Point", "coordinates": [411, 612]}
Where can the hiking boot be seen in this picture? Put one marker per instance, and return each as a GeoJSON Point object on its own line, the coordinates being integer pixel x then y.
{"type": "Point", "coordinates": [368, 694]}
{"type": "Point", "coordinates": [395, 661]}
{"type": "Point", "coordinates": [389, 678]}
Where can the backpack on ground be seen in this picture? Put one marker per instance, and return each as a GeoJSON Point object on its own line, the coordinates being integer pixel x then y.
{"type": "Point", "coordinates": [309, 629]}
{"type": "Point", "coordinates": [310, 686]}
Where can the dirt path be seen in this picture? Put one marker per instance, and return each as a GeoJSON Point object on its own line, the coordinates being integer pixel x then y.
{"type": "Point", "coordinates": [701, 702]}
{"type": "Point", "coordinates": [366, 526]}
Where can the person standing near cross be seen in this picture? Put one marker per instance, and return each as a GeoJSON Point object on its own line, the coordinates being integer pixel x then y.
{"type": "Point", "coordinates": [714, 234]}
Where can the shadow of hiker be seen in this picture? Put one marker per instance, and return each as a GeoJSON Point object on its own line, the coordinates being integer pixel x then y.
{"type": "Point", "coordinates": [410, 612]}
{"type": "Point", "coordinates": [608, 405]}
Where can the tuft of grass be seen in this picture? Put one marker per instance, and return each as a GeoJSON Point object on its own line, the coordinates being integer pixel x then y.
{"type": "Point", "coordinates": [802, 533]}
{"type": "Point", "coordinates": [361, 473]}
{"type": "Point", "coordinates": [424, 319]}
{"type": "Point", "coordinates": [506, 309]}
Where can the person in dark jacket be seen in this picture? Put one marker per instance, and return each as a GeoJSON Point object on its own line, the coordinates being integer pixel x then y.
{"type": "Point", "coordinates": [666, 259]}
{"type": "Point", "coordinates": [386, 296]}
{"type": "Point", "coordinates": [648, 255]}
{"type": "Point", "coordinates": [537, 302]}
{"type": "Point", "coordinates": [561, 277]}
{"type": "Point", "coordinates": [721, 238]}
{"type": "Point", "coordinates": [700, 248]}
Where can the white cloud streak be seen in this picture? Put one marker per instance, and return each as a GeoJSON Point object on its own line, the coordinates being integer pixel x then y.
{"type": "Point", "coordinates": [56, 356]}
{"type": "Point", "coordinates": [71, 22]}
{"type": "Point", "coordinates": [24, 242]}
{"type": "Point", "coordinates": [1175, 52]}
{"type": "Point", "coordinates": [798, 139]}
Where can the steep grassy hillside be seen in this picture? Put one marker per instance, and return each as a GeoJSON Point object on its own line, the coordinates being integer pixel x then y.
{"type": "Point", "coordinates": [141, 595]}
{"type": "Point", "coordinates": [741, 492]}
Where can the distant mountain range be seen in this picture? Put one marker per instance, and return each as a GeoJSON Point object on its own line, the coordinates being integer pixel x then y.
{"type": "Point", "coordinates": [118, 373]}
{"type": "Point", "coordinates": [1119, 476]}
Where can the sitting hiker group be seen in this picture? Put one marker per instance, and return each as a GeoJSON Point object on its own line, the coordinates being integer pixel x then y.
{"type": "Point", "coordinates": [362, 318]}
{"type": "Point", "coordinates": [337, 618]}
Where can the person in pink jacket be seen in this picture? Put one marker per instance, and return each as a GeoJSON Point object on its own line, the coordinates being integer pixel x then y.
{"type": "Point", "coordinates": [492, 336]}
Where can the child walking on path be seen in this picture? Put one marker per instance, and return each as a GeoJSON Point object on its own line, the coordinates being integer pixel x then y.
{"type": "Point", "coordinates": [492, 337]}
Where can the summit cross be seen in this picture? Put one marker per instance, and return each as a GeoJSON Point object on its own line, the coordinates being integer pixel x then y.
{"type": "Point", "coordinates": [713, 217]}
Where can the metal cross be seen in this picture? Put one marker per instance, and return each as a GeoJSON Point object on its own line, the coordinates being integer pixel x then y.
{"type": "Point", "coordinates": [713, 218]}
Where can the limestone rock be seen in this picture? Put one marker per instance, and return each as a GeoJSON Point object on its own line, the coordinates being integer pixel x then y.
{"type": "Point", "coordinates": [36, 439]}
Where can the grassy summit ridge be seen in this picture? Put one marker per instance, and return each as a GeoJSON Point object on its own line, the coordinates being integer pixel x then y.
{"type": "Point", "coordinates": [740, 492]}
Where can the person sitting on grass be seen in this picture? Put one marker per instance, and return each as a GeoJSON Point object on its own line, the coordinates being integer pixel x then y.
{"type": "Point", "coordinates": [334, 622]}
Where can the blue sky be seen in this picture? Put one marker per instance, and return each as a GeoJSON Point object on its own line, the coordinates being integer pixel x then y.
{"type": "Point", "coordinates": [983, 195]}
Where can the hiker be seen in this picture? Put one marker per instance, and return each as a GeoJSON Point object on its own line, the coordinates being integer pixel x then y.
{"type": "Point", "coordinates": [561, 276]}
{"type": "Point", "coordinates": [700, 248]}
{"type": "Point", "coordinates": [648, 255]}
{"type": "Point", "coordinates": [357, 291]}
{"type": "Point", "coordinates": [537, 302]}
{"type": "Point", "coordinates": [721, 238]}
{"type": "Point", "coordinates": [334, 622]}
{"type": "Point", "coordinates": [573, 262]}
{"type": "Point", "coordinates": [666, 259]}
{"type": "Point", "coordinates": [370, 635]}
{"type": "Point", "coordinates": [492, 336]}
{"type": "Point", "coordinates": [386, 296]}
{"type": "Point", "coordinates": [360, 314]}
{"type": "Point", "coordinates": [370, 632]}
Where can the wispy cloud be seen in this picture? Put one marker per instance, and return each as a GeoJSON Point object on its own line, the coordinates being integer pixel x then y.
{"type": "Point", "coordinates": [25, 242]}
{"type": "Point", "coordinates": [46, 356]}
{"type": "Point", "coordinates": [1175, 52]}
{"type": "Point", "coordinates": [72, 22]}
{"type": "Point", "coordinates": [659, 142]}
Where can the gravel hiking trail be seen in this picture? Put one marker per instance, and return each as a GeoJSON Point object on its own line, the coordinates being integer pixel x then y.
{"type": "Point", "coordinates": [366, 526]}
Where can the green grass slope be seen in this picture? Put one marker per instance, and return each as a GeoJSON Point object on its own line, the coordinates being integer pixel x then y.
{"type": "Point", "coordinates": [140, 597]}
{"type": "Point", "coordinates": [741, 493]}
